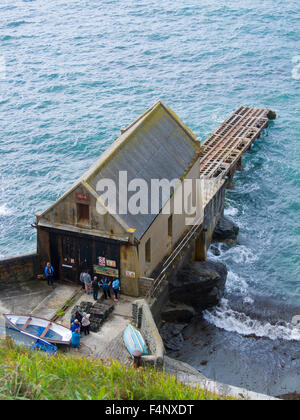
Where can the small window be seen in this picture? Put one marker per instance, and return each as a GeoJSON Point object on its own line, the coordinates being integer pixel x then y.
{"type": "Point", "coordinates": [83, 213]}
{"type": "Point", "coordinates": [148, 250]}
{"type": "Point", "coordinates": [170, 225]}
{"type": "Point", "coordinates": [189, 204]}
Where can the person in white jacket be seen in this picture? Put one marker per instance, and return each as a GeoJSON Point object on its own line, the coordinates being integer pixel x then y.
{"type": "Point", "coordinates": [86, 323]}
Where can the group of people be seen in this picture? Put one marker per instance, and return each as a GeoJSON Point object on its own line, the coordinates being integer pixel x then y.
{"type": "Point", "coordinates": [92, 286]}
{"type": "Point", "coordinates": [79, 324]}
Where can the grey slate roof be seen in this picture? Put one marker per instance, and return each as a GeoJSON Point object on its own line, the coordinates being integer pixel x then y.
{"type": "Point", "coordinates": [155, 146]}
{"type": "Point", "coordinates": [159, 146]}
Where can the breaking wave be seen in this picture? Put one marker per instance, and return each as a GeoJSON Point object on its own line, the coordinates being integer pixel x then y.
{"type": "Point", "coordinates": [225, 318]}
{"type": "Point", "coordinates": [4, 211]}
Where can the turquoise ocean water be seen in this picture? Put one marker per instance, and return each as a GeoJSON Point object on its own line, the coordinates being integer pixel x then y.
{"type": "Point", "coordinates": [72, 73]}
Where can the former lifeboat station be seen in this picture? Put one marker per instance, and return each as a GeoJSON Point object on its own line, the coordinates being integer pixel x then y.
{"type": "Point", "coordinates": [138, 248]}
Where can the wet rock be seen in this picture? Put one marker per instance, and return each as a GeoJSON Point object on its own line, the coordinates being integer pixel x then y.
{"type": "Point", "coordinates": [215, 250]}
{"type": "Point", "coordinates": [199, 284]}
{"type": "Point", "coordinates": [226, 231]}
{"type": "Point", "coordinates": [172, 335]}
{"type": "Point", "coordinates": [289, 397]}
{"type": "Point", "coordinates": [178, 313]}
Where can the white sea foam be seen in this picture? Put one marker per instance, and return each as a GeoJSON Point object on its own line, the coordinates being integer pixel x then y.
{"type": "Point", "coordinates": [231, 211]}
{"type": "Point", "coordinates": [240, 254]}
{"type": "Point", "coordinates": [225, 318]}
{"type": "Point", "coordinates": [236, 284]}
{"type": "Point", "coordinates": [4, 210]}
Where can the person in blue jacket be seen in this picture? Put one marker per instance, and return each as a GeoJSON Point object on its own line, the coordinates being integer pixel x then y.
{"type": "Point", "coordinates": [75, 326]}
{"type": "Point", "coordinates": [116, 288]}
{"type": "Point", "coordinates": [75, 340]}
{"type": "Point", "coordinates": [49, 273]}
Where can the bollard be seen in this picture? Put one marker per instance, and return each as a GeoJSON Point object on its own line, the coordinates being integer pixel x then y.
{"type": "Point", "coordinates": [137, 355]}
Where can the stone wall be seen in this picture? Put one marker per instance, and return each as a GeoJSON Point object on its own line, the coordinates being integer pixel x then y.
{"type": "Point", "coordinates": [159, 302]}
{"type": "Point", "coordinates": [18, 269]}
{"type": "Point", "coordinates": [143, 320]}
{"type": "Point", "coordinates": [144, 285]}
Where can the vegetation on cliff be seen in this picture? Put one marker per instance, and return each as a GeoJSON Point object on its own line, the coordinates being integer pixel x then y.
{"type": "Point", "coordinates": [35, 376]}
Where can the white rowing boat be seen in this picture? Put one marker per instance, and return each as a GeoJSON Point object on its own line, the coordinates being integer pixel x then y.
{"type": "Point", "coordinates": [40, 328]}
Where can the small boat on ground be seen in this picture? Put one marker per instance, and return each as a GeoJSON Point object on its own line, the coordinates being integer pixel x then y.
{"type": "Point", "coordinates": [134, 341]}
{"type": "Point", "coordinates": [29, 340]}
{"type": "Point", "coordinates": [39, 328]}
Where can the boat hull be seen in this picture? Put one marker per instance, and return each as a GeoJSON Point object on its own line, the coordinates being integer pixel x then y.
{"type": "Point", "coordinates": [134, 340]}
{"type": "Point", "coordinates": [28, 340]}
{"type": "Point", "coordinates": [40, 328]}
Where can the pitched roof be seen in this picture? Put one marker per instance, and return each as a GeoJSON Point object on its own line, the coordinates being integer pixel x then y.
{"type": "Point", "coordinates": [155, 146]}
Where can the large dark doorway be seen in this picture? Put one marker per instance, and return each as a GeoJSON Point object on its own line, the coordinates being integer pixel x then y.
{"type": "Point", "coordinates": [71, 253]}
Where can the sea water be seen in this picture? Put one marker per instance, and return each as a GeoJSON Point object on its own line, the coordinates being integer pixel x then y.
{"type": "Point", "coordinates": [72, 73]}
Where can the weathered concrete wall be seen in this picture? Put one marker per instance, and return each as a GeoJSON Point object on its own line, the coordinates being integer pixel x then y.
{"type": "Point", "coordinates": [43, 248]}
{"type": "Point", "coordinates": [143, 320]}
{"type": "Point", "coordinates": [129, 263]}
{"type": "Point", "coordinates": [18, 269]}
{"type": "Point", "coordinates": [65, 213]}
{"type": "Point", "coordinates": [212, 213]}
{"type": "Point", "coordinates": [145, 285]}
{"type": "Point", "coordinates": [161, 243]}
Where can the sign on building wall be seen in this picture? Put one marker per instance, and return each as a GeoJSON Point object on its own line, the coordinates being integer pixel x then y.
{"type": "Point", "coordinates": [130, 274]}
{"type": "Point", "coordinates": [111, 263]}
{"type": "Point", "coordinates": [101, 261]}
{"type": "Point", "coordinates": [106, 271]}
{"type": "Point", "coordinates": [82, 196]}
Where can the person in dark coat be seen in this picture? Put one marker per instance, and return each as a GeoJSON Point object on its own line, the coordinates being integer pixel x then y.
{"type": "Point", "coordinates": [95, 286]}
{"type": "Point", "coordinates": [105, 287]}
{"type": "Point", "coordinates": [79, 317]}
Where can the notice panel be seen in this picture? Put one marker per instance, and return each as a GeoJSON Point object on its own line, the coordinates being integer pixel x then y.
{"type": "Point", "coordinates": [106, 271]}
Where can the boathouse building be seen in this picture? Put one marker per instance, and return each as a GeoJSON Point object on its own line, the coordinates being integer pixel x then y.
{"type": "Point", "coordinates": [75, 233]}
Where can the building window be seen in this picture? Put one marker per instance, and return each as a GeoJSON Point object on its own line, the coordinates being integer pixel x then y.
{"type": "Point", "coordinates": [170, 226]}
{"type": "Point", "coordinates": [83, 213]}
{"type": "Point", "coordinates": [148, 250]}
{"type": "Point", "coordinates": [189, 204]}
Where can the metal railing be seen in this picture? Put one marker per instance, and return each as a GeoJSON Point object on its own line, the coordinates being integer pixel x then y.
{"type": "Point", "coordinates": [172, 257]}
{"type": "Point", "coordinates": [208, 188]}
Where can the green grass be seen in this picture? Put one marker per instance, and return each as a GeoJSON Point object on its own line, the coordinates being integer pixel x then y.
{"type": "Point", "coordinates": [34, 376]}
{"type": "Point", "coordinates": [60, 313]}
{"type": "Point", "coordinates": [69, 303]}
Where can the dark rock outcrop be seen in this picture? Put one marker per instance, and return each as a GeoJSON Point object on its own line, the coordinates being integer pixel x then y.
{"type": "Point", "coordinates": [226, 231]}
{"type": "Point", "coordinates": [178, 313]}
{"type": "Point", "coordinates": [199, 284]}
{"type": "Point", "coordinates": [172, 335]}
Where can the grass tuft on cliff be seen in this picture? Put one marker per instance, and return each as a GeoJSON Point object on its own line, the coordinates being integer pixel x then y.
{"type": "Point", "coordinates": [35, 376]}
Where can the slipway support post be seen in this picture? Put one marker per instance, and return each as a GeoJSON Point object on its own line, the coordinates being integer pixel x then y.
{"type": "Point", "coordinates": [200, 247]}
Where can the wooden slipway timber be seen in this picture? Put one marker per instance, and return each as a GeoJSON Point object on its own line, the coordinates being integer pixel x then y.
{"type": "Point", "coordinates": [222, 150]}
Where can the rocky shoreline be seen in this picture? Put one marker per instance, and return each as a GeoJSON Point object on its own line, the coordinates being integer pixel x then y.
{"type": "Point", "coordinates": [196, 287]}
{"type": "Point", "coordinates": [261, 363]}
